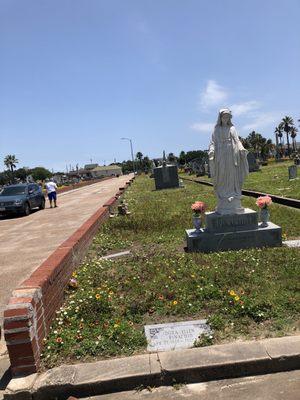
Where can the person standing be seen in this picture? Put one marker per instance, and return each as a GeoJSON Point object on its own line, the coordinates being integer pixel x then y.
{"type": "Point", "coordinates": [51, 188]}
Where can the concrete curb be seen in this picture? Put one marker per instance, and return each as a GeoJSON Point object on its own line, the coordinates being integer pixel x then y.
{"type": "Point", "coordinates": [181, 366]}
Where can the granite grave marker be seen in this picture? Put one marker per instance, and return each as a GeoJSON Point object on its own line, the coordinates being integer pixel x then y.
{"type": "Point", "coordinates": [293, 172]}
{"type": "Point", "coordinates": [176, 335]}
{"type": "Point", "coordinates": [253, 164]}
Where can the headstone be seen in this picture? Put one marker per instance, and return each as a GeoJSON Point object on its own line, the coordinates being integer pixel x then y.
{"type": "Point", "coordinates": [166, 176]}
{"type": "Point", "coordinates": [253, 164]}
{"type": "Point", "coordinates": [198, 166]}
{"type": "Point", "coordinates": [176, 335]}
{"type": "Point", "coordinates": [293, 172]}
{"type": "Point", "coordinates": [216, 223]}
{"type": "Point", "coordinates": [207, 242]}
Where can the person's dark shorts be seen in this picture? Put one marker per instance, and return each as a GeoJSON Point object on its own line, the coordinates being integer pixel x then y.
{"type": "Point", "coordinates": [52, 196]}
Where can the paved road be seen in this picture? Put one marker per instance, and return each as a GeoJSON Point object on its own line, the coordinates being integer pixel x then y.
{"type": "Point", "coordinates": [25, 242]}
{"type": "Point", "coordinates": [280, 386]}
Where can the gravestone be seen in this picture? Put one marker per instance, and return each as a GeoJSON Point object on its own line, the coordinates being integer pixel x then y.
{"type": "Point", "coordinates": [253, 164]}
{"type": "Point", "coordinates": [197, 166]}
{"type": "Point", "coordinates": [176, 335]}
{"type": "Point", "coordinates": [293, 172]}
{"type": "Point", "coordinates": [166, 176]}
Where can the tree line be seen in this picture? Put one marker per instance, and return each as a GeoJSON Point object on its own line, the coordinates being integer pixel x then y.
{"type": "Point", "coordinates": [254, 142]}
{"type": "Point", "coordinates": [286, 127]}
{"type": "Point", "coordinates": [13, 174]}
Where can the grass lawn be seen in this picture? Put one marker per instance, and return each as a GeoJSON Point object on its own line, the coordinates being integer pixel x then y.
{"type": "Point", "coordinates": [244, 294]}
{"type": "Point", "coordinates": [272, 179]}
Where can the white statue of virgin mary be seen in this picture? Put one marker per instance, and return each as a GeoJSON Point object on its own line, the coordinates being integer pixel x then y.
{"type": "Point", "coordinates": [228, 165]}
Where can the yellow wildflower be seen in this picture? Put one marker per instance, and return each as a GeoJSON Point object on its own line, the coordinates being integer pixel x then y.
{"type": "Point", "coordinates": [232, 293]}
{"type": "Point", "coordinates": [175, 302]}
{"type": "Point", "coordinates": [236, 298]}
{"type": "Point", "coordinates": [98, 296]}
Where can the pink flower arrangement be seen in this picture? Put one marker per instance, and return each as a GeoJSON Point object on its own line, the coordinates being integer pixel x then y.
{"type": "Point", "coordinates": [263, 201]}
{"type": "Point", "coordinates": [73, 283]}
{"type": "Point", "coordinates": [199, 207]}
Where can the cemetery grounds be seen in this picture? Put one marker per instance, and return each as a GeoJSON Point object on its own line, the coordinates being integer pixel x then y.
{"type": "Point", "coordinates": [271, 179]}
{"type": "Point", "coordinates": [243, 294]}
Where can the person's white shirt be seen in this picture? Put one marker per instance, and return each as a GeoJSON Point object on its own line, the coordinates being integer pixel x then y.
{"type": "Point", "coordinates": [51, 187]}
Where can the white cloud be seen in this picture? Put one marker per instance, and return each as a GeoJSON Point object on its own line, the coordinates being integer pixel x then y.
{"type": "Point", "coordinates": [212, 95]}
{"type": "Point", "coordinates": [261, 121]}
{"type": "Point", "coordinates": [244, 108]}
{"type": "Point", "coordinates": [203, 127]}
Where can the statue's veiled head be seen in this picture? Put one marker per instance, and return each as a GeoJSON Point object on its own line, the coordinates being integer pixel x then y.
{"type": "Point", "coordinates": [224, 118]}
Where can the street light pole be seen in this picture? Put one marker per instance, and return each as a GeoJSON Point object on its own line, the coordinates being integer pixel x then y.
{"type": "Point", "coordinates": [131, 148]}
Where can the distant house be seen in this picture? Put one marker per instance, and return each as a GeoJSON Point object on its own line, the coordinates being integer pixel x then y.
{"type": "Point", "coordinates": [109, 170]}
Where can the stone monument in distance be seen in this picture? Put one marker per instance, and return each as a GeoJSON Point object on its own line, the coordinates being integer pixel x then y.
{"type": "Point", "coordinates": [166, 176]}
{"type": "Point", "coordinates": [230, 226]}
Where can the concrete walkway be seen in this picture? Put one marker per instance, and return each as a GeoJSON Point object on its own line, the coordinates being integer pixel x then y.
{"type": "Point", "coordinates": [27, 241]}
{"type": "Point", "coordinates": [280, 386]}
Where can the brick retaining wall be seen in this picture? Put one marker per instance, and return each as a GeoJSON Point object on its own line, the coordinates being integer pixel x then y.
{"type": "Point", "coordinates": [32, 306]}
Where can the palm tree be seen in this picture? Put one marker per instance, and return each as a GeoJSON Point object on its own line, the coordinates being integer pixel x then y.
{"type": "Point", "coordinates": [286, 124]}
{"type": "Point", "coordinates": [256, 142]}
{"type": "Point", "coordinates": [293, 134]}
{"type": "Point", "coordinates": [139, 156]}
{"type": "Point", "coordinates": [278, 134]}
{"type": "Point", "coordinates": [10, 162]}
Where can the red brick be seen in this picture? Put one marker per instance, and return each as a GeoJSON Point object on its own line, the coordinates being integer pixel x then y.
{"type": "Point", "coordinates": [17, 336]}
{"type": "Point", "coordinates": [28, 369]}
{"type": "Point", "coordinates": [16, 312]}
{"type": "Point", "coordinates": [22, 300]}
{"type": "Point", "coordinates": [16, 324]}
{"type": "Point", "coordinates": [17, 351]}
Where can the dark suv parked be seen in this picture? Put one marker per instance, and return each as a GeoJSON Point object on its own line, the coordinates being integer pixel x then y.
{"type": "Point", "coordinates": [21, 198]}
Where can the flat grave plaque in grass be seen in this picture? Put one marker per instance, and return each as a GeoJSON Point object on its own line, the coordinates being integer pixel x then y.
{"type": "Point", "coordinates": [176, 335]}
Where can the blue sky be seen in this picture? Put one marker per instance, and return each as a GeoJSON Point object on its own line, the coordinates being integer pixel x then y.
{"type": "Point", "coordinates": [77, 75]}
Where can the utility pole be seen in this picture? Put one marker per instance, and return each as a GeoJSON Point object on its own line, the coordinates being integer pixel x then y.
{"type": "Point", "coordinates": [131, 148]}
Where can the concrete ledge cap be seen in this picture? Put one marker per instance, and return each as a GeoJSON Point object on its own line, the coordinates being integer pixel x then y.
{"type": "Point", "coordinates": [224, 354]}
{"type": "Point", "coordinates": [282, 347]}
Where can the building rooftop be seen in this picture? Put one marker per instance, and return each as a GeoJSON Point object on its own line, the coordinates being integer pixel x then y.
{"type": "Point", "coordinates": [106, 168]}
{"type": "Point", "coordinates": [90, 166]}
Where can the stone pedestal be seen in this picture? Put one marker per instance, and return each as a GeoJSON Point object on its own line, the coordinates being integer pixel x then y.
{"type": "Point", "coordinates": [233, 232]}
{"type": "Point", "coordinates": [166, 177]}
{"type": "Point", "coordinates": [216, 223]}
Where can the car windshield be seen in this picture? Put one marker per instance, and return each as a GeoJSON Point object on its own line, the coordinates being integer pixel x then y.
{"type": "Point", "coordinates": [13, 190]}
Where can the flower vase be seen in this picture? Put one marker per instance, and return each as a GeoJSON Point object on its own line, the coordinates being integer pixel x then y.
{"type": "Point", "coordinates": [197, 222]}
{"type": "Point", "coordinates": [264, 217]}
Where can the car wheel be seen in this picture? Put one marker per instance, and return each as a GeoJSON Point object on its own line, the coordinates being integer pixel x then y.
{"type": "Point", "coordinates": [42, 206]}
{"type": "Point", "coordinates": [26, 209]}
